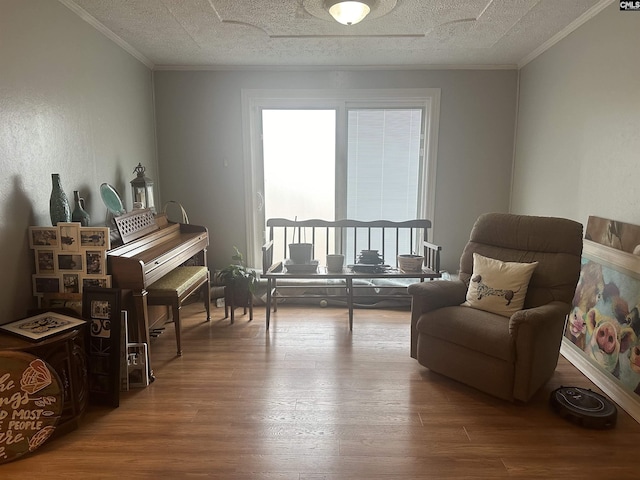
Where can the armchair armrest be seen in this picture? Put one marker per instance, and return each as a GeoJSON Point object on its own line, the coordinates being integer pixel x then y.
{"type": "Point", "coordinates": [548, 314]}
{"type": "Point", "coordinates": [431, 253]}
{"type": "Point", "coordinates": [267, 256]}
{"type": "Point", "coordinates": [436, 294]}
{"type": "Point", "coordinates": [537, 333]}
{"type": "Point", "coordinates": [428, 296]}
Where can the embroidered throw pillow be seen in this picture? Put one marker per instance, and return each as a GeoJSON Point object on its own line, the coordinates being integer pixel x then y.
{"type": "Point", "coordinates": [498, 287]}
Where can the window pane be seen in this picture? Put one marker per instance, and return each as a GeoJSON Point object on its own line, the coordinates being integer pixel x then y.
{"type": "Point", "coordinates": [383, 164]}
{"type": "Point", "coordinates": [299, 148]}
{"type": "Point", "coordinates": [383, 168]}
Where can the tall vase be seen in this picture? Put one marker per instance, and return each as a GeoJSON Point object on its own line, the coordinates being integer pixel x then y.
{"type": "Point", "coordinates": [79, 213]}
{"type": "Point", "coordinates": [59, 209]}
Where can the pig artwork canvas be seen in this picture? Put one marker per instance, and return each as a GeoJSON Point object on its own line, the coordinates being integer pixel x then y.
{"type": "Point", "coordinates": [604, 322]}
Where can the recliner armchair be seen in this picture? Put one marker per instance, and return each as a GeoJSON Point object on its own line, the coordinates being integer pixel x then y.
{"type": "Point", "coordinates": [508, 357]}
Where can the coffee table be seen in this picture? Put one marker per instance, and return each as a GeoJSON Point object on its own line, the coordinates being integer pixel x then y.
{"type": "Point", "coordinates": [347, 274]}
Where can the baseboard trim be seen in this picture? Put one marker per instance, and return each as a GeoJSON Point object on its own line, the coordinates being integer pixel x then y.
{"type": "Point", "coordinates": [610, 385]}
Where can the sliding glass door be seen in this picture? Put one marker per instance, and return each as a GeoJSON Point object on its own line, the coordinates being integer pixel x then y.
{"type": "Point", "coordinates": [334, 158]}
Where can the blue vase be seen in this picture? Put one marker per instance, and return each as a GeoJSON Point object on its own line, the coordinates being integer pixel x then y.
{"type": "Point", "coordinates": [59, 209]}
{"type": "Point", "coordinates": [79, 214]}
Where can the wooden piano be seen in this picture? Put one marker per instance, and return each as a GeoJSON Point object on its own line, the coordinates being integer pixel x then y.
{"type": "Point", "coordinates": [152, 247]}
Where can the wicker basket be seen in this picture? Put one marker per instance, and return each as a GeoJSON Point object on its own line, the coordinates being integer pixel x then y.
{"type": "Point", "coordinates": [410, 263]}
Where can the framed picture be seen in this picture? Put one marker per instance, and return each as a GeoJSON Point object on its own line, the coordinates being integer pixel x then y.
{"type": "Point", "coordinates": [95, 237]}
{"type": "Point", "coordinates": [101, 308]}
{"type": "Point", "coordinates": [46, 284]}
{"type": "Point", "coordinates": [602, 327]}
{"type": "Point", "coordinates": [42, 326]}
{"type": "Point", "coordinates": [71, 283]}
{"type": "Point", "coordinates": [70, 262]}
{"type": "Point", "coordinates": [96, 281]}
{"type": "Point", "coordinates": [62, 300]}
{"type": "Point", "coordinates": [613, 233]}
{"type": "Point", "coordinates": [43, 237]}
{"type": "Point", "coordinates": [95, 262]}
{"type": "Point", "coordinates": [68, 258]}
{"type": "Point", "coordinates": [45, 261]}
{"type": "Point", "coordinates": [69, 236]}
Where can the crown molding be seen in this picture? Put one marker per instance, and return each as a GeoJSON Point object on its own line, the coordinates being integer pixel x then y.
{"type": "Point", "coordinates": [565, 32]}
{"type": "Point", "coordinates": [307, 68]}
{"type": "Point", "coordinates": [106, 32]}
{"type": "Point", "coordinates": [83, 14]}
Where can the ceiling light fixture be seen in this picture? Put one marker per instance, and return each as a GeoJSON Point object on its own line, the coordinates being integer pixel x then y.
{"type": "Point", "coordinates": [350, 12]}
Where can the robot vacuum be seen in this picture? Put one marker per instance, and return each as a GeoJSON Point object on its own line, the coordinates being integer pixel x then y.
{"type": "Point", "coordinates": [583, 407]}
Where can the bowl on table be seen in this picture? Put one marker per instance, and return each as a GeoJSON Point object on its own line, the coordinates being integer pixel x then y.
{"type": "Point", "coordinates": [408, 263]}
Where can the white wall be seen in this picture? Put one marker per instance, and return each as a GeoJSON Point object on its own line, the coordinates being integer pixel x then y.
{"type": "Point", "coordinates": [199, 126]}
{"type": "Point", "coordinates": [73, 103]}
{"type": "Point", "coordinates": [578, 138]}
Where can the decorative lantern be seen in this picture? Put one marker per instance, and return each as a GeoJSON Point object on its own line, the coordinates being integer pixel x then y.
{"type": "Point", "coordinates": [142, 190]}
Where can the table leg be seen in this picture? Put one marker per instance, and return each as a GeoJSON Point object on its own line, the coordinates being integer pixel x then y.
{"type": "Point", "coordinates": [268, 312]}
{"type": "Point", "coordinates": [275, 300]}
{"type": "Point", "coordinates": [350, 301]}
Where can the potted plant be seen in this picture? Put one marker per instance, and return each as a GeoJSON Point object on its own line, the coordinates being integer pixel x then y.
{"type": "Point", "coordinates": [239, 280]}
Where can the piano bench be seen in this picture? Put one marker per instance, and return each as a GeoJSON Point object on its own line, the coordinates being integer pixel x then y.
{"type": "Point", "coordinates": [172, 289]}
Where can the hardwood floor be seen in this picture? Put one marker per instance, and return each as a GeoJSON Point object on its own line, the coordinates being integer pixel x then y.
{"type": "Point", "coordinates": [310, 400]}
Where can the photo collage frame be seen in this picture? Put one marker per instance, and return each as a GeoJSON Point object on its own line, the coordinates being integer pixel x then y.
{"type": "Point", "coordinates": [69, 258]}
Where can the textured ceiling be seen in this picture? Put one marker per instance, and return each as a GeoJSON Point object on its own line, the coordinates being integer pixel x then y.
{"type": "Point", "coordinates": [300, 33]}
